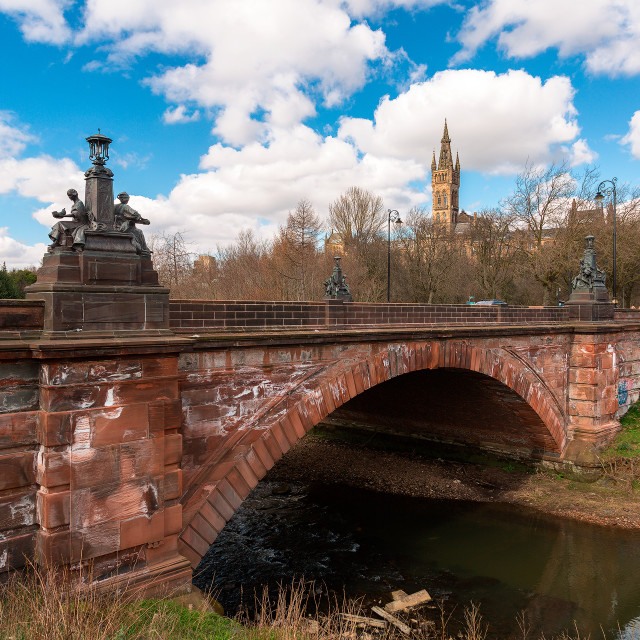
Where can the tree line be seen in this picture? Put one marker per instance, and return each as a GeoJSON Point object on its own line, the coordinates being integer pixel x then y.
{"type": "Point", "coordinates": [524, 251]}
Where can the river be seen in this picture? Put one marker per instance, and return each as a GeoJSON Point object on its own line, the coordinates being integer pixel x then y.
{"type": "Point", "coordinates": [508, 559]}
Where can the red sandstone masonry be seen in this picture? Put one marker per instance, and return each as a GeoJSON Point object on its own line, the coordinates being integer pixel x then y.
{"type": "Point", "coordinates": [188, 316]}
{"type": "Point", "coordinates": [19, 399]}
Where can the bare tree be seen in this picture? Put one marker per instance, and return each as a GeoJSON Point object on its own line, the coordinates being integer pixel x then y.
{"type": "Point", "coordinates": [357, 215]}
{"type": "Point", "coordinates": [540, 199]}
{"type": "Point", "coordinates": [295, 249]}
{"type": "Point", "coordinates": [172, 259]}
{"type": "Point", "coordinates": [496, 249]}
{"type": "Point", "coordinates": [244, 271]}
{"type": "Point", "coordinates": [429, 251]}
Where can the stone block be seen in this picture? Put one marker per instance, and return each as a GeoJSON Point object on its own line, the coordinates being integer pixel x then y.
{"type": "Point", "coordinates": [142, 458]}
{"type": "Point", "coordinates": [192, 538]}
{"type": "Point", "coordinates": [229, 493]}
{"type": "Point", "coordinates": [120, 424]}
{"type": "Point", "coordinates": [584, 392]}
{"type": "Point", "coordinates": [18, 429]}
{"type": "Point", "coordinates": [261, 450]}
{"type": "Point", "coordinates": [173, 484]}
{"type": "Point", "coordinates": [142, 530]}
{"type": "Point", "coordinates": [156, 367]}
{"type": "Point", "coordinates": [164, 415]}
{"type": "Point", "coordinates": [105, 504]}
{"type": "Point", "coordinates": [20, 398]}
{"type": "Point", "coordinates": [212, 515]}
{"type": "Point", "coordinates": [17, 509]}
{"type": "Point", "coordinates": [172, 448]}
{"type": "Point", "coordinates": [95, 467]}
{"type": "Point", "coordinates": [172, 519]}
{"type": "Point", "coordinates": [16, 550]}
{"type": "Point", "coordinates": [53, 468]}
{"type": "Point", "coordinates": [53, 509]}
{"type": "Point", "coordinates": [204, 528]}
{"type": "Point", "coordinates": [586, 376]}
{"type": "Point", "coordinates": [17, 469]}
{"type": "Point", "coordinates": [246, 471]}
{"type": "Point", "coordinates": [221, 504]}
{"type": "Point", "coordinates": [54, 429]}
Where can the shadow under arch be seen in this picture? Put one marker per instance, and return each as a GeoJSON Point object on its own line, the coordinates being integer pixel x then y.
{"type": "Point", "coordinates": [229, 475]}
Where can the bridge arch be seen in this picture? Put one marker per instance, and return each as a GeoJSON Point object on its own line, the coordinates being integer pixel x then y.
{"type": "Point", "coordinates": [228, 477]}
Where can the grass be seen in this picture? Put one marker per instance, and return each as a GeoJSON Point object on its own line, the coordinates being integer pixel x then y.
{"type": "Point", "coordinates": [46, 604]}
{"type": "Point", "coordinates": [620, 461]}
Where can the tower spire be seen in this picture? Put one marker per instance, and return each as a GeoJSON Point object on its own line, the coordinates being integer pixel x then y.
{"type": "Point", "coordinates": [446, 160]}
{"type": "Point", "coordinates": [445, 135]}
{"type": "Point", "coordinates": [445, 184]}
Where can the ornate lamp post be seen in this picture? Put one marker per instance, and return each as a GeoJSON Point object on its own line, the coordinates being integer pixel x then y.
{"type": "Point", "coordinates": [604, 190]}
{"type": "Point", "coordinates": [392, 216]}
{"type": "Point", "coordinates": [99, 181]}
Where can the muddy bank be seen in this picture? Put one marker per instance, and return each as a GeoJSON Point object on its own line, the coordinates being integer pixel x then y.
{"type": "Point", "coordinates": [325, 458]}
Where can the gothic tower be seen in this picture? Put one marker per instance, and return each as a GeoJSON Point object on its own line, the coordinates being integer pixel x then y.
{"type": "Point", "coordinates": [445, 183]}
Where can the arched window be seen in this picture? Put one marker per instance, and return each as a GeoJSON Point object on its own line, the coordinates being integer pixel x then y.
{"type": "Point", "coordinates": [445, 199]}
{"type": "Point", "coordinates": [439, 200]}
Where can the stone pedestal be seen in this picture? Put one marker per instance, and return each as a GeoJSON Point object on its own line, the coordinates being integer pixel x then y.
{"type": "Point", "coordinates": [99, 194]}
{"type": "Point", "coordinates": [106, 287]}
{"type": "Point", "coordinates": [589, 306]}
{"type": "Point", "coordinates": [589, 299]}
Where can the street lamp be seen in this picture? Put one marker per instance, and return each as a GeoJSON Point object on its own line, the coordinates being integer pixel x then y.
{"type": "Point", "coordinates": [603, 191]}
{"type": "Point", "coordinates": [392, 216]}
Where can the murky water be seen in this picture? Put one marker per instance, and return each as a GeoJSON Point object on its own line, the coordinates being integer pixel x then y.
{"type": "Point", "coordinates": [508, 559]}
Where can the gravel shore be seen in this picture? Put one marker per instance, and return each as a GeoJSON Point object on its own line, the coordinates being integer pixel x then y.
{"type": "Point", "coordinates": [317, 459]}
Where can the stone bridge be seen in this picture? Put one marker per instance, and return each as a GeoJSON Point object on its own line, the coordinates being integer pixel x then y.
{"type": "Point", "coordinates": [130, 445]}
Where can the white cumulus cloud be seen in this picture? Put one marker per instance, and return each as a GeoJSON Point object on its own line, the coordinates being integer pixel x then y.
{"type": "Point", "coordinates": [255, 187]}
{"type": "Point", "coordinates": [605, 32]}
{"type": "Point", "coordinates": [39, 20]}
{"type": "Point", "coordinates": [496, 121]}
{"type": "Point", "coordinates": [256, 63]}
{"type": "Point", "coordinates": [17, 255]}
{"type": "Point", "coordinates": [633, 135]}
{"type": "Point", "coordinates": [179, 115]}
{"type": "Point", "coordinates": [13, 139]}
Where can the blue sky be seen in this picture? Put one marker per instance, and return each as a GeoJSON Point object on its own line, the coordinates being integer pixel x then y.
{"type": "Point", "coordinates": [225, 113]}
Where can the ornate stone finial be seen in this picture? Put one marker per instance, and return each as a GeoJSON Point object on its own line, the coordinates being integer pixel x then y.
{"type": "Point", "coordinates": [336, 287]}
{"type": "Point", "coordinates": [589, 277]}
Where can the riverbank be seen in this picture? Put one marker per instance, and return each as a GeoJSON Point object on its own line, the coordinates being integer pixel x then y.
{"type": "Point", "coordinates": [363, 459]}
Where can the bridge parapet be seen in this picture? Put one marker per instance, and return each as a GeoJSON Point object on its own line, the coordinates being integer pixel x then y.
{"type": "Point", "coordinates": [254, 315]}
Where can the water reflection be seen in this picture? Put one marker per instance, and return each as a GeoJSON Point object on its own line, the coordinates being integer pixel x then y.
{"type": "Point", "coordinates": [509, 559]}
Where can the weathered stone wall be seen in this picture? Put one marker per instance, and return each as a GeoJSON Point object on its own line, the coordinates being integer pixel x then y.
{"type": "Point", "coordinates": [133, 453]}
{"type": "Point", "coordinates": [20, 317]}
{"type": "Point", "coordinates": [244, 405]}
{"type": "Point", "coordinates": [627, 358]}
{"type": "Point", "coordinates": [19, 403]}
{"type": "Point", "coordinates": [108, 467]}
